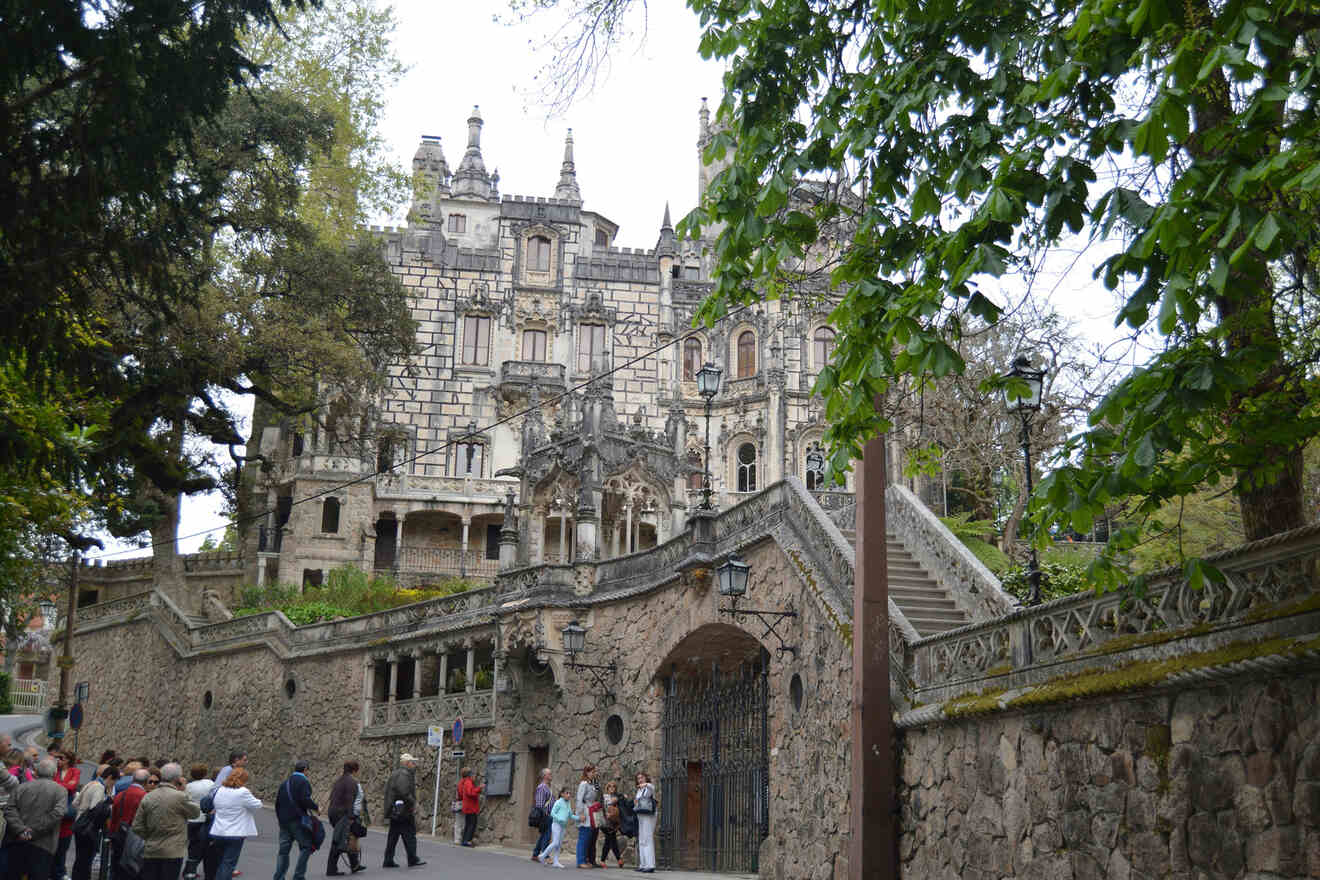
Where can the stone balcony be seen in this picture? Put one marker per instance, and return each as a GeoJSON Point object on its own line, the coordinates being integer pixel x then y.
{"type": "Point", "coordinates": [476, 708]}
{"type": "Point", "coordinates": [443, 488]}
{"type": "Point", "coordinates": [414, 563]}
{"type": "Point", "coordinates": [516, 377]}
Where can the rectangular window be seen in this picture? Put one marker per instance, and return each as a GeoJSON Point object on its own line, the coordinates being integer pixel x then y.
{"type": "Point", "coordinates": [538, 258]}
{"type": "Point", "coordinates": [591, 346]}
{"type": "Point", "coordinates": [602, 238]}
{"type": "Point", "coordinates": [458, 223]}
{"type": "Point", "coordinates": [476, 340]}
{"type": "Point", "coordinates": [691, 273]}
{"type": "Point", "coordinates": [533, 348]}
{"type": "Point", "coordinates": [493, 542]}
{"type": "Point", "coordinates": [467, 460]}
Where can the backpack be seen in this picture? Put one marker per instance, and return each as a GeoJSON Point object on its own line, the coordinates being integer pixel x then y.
{"type": "Point", "coordinates": [92, 822]}
{"type": "Point", "coordinates": [207, 802]}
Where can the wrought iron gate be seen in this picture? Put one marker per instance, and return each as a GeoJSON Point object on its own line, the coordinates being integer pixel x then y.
{"type": "Point", "coordinates": [714, 785]}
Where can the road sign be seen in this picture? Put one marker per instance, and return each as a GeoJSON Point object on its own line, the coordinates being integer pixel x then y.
{"type": "Point", "coordinates": [458, 730]}
{"type": "Point", "coordinates": [435, 735]}
{"type": "Point", "coordinates": [457, 753]}
{"type": "Point", "coordinates": [76, 716]}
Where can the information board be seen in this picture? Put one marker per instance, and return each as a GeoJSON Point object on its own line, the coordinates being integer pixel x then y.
{"type": "Point", "coordinates": [499, 774]}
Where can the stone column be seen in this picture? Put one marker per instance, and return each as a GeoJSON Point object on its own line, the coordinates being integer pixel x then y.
{"type": "Point", "coordinates": [627, 528]}
{"type": "Point", "coordinates": [368, 686]}
{"type": "Point", "coordinates": [444, 668]}
{"type": "Point", "coordinates": [563, 527]}
{"type": "Point", "coordinates": [463, 550]}
{"type": "Point", "coordinates": [508, 548]}
{"type": "Point", "coordinates": [471, 666]}
{"type": "Point", "coordinates": [394, 677]}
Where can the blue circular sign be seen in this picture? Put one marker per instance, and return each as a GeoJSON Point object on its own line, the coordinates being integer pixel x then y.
{"type": "Point", "coordinates": [76, 716]}
{"type": "Point", "coordinates": [458, 730]}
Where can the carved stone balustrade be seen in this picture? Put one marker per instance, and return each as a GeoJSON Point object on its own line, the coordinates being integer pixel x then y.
{"type": "Point", "coordinates": [477, 709]}
{"type": "Point", "coordinates": [516, 377]}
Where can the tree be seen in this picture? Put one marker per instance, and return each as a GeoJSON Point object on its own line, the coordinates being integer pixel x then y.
{"type": "Point", "coordinates": [977, 140]}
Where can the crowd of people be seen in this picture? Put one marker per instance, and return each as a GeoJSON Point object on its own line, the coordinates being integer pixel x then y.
{"type": "Point", "coordinates": [152, 820]}
{"type": "Point", "coordinates": [600, 814]}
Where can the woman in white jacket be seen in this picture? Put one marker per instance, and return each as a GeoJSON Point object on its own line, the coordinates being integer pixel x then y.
{"type": "Point", "coordinates": [234, 823]}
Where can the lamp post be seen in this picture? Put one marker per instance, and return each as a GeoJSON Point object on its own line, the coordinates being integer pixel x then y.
{"type": "Point", "coordinates": [708, 385]}
{"type": "Point", "coordinates": [1026, 405]}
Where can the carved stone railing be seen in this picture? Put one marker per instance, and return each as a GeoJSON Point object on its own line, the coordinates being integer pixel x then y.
{"type": "Point", "coordinates": [459, 488]}
{"type": "Point", "coordinates": [521, 373]}
{"type": "Point", "coordinates": [446, 560]}
{"type": "Point", "coordinates": [831, 500]}
{"type": "Point", "coordinates": [1262, 580]}
{"type": "Point", "coordinates": [477, 709]}
{"type": "Point", "coordinates": [114, 611]}
{"type": "Point", "coordinates": [970, 584]}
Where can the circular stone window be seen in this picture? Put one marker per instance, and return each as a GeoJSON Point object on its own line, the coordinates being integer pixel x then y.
{"type": "Point", "coordinates": [290, 688]}
{"type": "Point", "coordinates": [795, 692]}
{"type": "Point", "coordinates": [614, 729]}
{"type": "Point", "coordinates": [207, 699]}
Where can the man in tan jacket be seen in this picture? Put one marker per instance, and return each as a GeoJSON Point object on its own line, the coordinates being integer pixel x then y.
{"type": "Point", "coordinates": [162, 823]}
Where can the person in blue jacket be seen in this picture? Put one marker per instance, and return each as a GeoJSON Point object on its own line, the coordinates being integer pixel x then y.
{"type": "Point", "coordinates": [293, 802]}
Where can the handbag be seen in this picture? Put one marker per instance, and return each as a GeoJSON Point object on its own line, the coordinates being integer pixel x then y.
{"type": "Point", "coordinates": [69, 811]}
{"type": "Point", "coordinates": [593, 814]}
{"type": "Point", "coordinates": [536, 818]}
{"type": "Point", "coordinates": [357, 829]}
{"type": "Point", "coordinates": [132, 853]}
{"type": "Point", "coordinates": [645, 803]}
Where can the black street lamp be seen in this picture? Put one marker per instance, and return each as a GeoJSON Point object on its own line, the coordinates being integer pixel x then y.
{"type": "Point", "coordinates": [708, 385]}
{"type": "Point", "coordinates": [575, 642]}
{"type": "Point", "coordinates": [733, 574]}
{"type": "Point", "coordinates": [1026, 405]}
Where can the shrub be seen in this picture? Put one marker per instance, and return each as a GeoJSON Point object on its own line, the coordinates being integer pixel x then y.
{"type": "Point", "coordinates": [1058, 577]}
{"type": "Point", "coordinates": [6, 704]}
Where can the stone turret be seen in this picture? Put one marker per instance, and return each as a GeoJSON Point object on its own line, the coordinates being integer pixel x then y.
{"type": "Point", "coordinates": [667, 244]}
{"type": "Point", "coordinates": [471, 179]}
{"type": "Point", "coordinates": [567, 188]}
{"type": "Point", "coordinates": [430, 178]}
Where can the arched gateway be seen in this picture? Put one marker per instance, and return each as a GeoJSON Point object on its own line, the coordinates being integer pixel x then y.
{"type": "Point", "coordinates": [715, 754]}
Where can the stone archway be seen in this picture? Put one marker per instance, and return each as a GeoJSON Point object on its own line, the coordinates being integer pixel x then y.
{"type": "Point", "coordinates": [714, 764]}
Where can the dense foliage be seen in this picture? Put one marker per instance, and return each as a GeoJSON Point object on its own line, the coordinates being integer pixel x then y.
{"type": "Point", "coordinates": [347, 592]}
{"type": "Point", "coordinates": [976, 139]}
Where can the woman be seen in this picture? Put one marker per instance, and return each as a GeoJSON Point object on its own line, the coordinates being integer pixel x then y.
{"type": "Point", "coordinates": [67, 775]}
{"type": "Point", "coordinates": [645, 804]}
{"type": "Point", "coordinates": [344, 810]}
{"type": "Point", "coordinates": [14, 764]}
{"type": "Point", "coordinates": [588, 796]}
{"type": "Point", "coordinates": [92, 794]}
{"type": "Point", "coordinates": [233, 823]}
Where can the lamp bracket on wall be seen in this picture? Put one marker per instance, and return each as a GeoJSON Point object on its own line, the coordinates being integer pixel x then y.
{"type": "Point", "coordinates": [600, 673]}
{"type": "Point", "coordinates": [769, 619]}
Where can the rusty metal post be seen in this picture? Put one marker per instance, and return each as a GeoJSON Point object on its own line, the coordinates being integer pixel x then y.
{"type": "Point", "coordinates": [873, 854]}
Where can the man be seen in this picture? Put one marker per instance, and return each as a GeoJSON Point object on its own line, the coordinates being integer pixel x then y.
{"type": "Point", "coordinates": [343, 811]}
{"type": "Point", "coordinates": [400, 804]}
{"type": "Point", "coordinates": [161, 821]}
{"type": "Point", "coordinates": [128, 775]}
{"type": "Point", "coordinates": [237, 758]}
{"type": "Point", "coordinates": [8, 785]}
{"type": "Point", "coordinates": [33, 815]}
{"type": "Point", "coordinates": [293, 802]}
{"type": "Point", "coordinates": [470, 793]}
{"type": "Point", "coordinates": [542, 800]}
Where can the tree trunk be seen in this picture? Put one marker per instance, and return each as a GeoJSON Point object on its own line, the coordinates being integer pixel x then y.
{"type": "Point", "coordinates": [1270, 508]}
{"type": "Point", "coordinates": [167, 564]}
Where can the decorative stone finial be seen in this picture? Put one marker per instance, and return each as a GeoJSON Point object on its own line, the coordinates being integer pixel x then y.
{"type": "Point", "coordinates": [568, 185]}
{"type": "Point", "coordinates": [471, 178]}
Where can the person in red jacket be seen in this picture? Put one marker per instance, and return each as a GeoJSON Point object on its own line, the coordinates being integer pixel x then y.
{"type": "Point", "coordinates": [470, 793]}
{"type": "Point", "coordinates": [67, 776]}
{"type": "Point", "coordinates": [122, 813]}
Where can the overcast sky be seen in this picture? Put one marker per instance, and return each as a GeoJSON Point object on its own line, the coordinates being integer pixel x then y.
{"type": "Point", "coordinates": [635, 134]}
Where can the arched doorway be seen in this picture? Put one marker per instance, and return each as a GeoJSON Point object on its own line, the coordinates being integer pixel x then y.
{"type": "Point", "coordinates": [714, 798]}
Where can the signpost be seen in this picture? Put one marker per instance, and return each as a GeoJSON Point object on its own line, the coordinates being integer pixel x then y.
{"type": "Point", "coordinates": [457, 755]}
{"type": "Point", "coordinates": [458, 731]}
{"type": "Point", "coordinates": [435, 738]}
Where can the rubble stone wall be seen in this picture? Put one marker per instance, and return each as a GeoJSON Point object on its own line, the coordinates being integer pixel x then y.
{"type": "Point", "coordinates": [1215, 782]}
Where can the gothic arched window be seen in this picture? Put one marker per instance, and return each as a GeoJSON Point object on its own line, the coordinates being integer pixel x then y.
{"type": "Point", "coordinates": [330, 515]}
{"type": "Point", "coordinates": [746, 354]}
{"type": "Point", "coordinates": [691, 359]}
{"type": "Point", "coordinates": [822, 346]}
{"type": "Point", "coordinates": [696, 478]}
{"type": "Point", "coordinates": [747, 468]}
{"type": "Point", "coordinates": [814, 472]}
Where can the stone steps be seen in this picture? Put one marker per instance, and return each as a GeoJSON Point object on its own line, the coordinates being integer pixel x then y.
{"type": "Point", "coordinates": [924, 602]}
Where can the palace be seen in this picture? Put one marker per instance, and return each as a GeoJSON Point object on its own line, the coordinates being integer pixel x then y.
{"type": "Point", "coordinates": [520, 301]}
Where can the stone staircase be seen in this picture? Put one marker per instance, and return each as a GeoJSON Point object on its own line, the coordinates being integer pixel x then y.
{"type": "Point", "coordinates": [927, 605]}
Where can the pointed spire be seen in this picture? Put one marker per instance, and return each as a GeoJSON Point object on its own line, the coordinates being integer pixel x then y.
{"type": "Point", "coordinates": [668, 241]}
{"type": "Point", "coordinates": [471, 178]}
{"type": "Point", "coordinates": [430, 178]}
{"type": "Point", "coordinates": [568, 185]}
{"type": "Point", "coordinates": [704, 115]}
